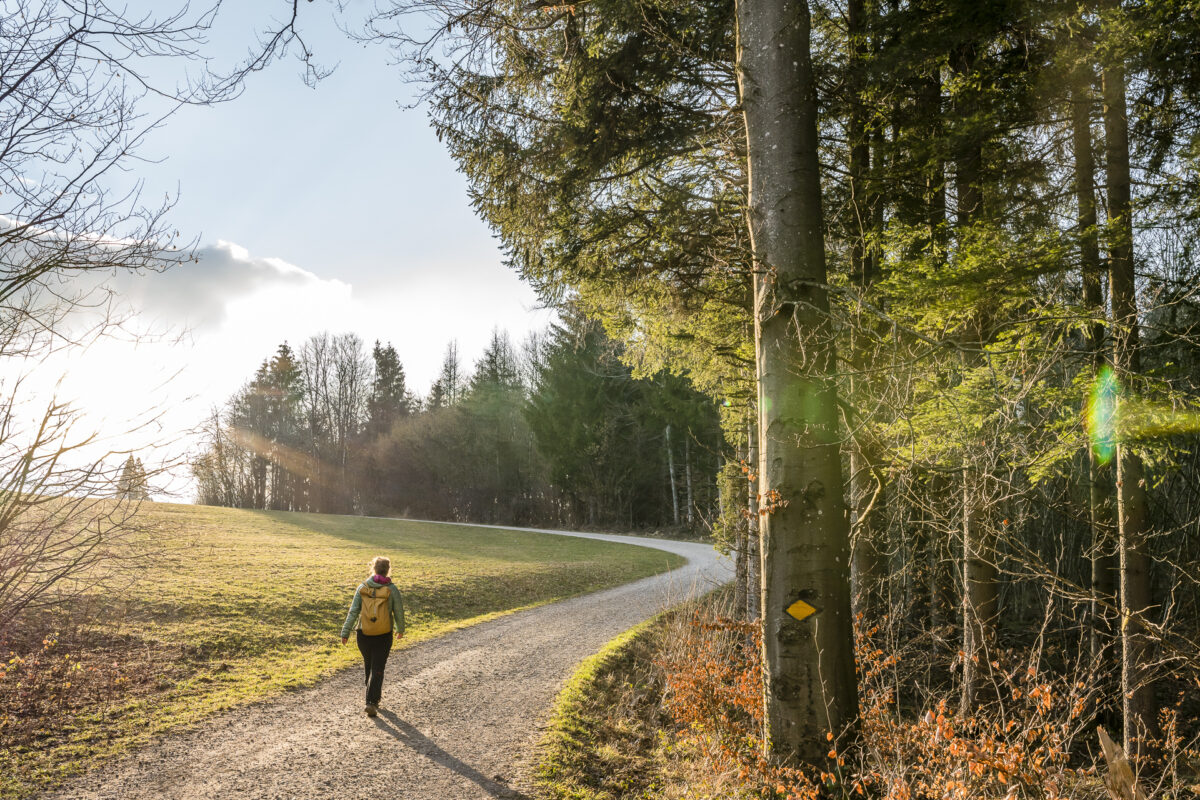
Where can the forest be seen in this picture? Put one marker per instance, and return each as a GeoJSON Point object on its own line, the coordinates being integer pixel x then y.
{"type": "Point", "coordinates": [556, 432]}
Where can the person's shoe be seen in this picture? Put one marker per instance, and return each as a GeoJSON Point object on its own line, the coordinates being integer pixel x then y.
{"type": "Point", "coordinates": [372, 709]}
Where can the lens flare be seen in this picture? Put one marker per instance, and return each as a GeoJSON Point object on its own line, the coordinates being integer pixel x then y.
{"type": "Point", "coordinates": [1112, 418]}
{"type": "Point", "coordinates": [1101, 415]}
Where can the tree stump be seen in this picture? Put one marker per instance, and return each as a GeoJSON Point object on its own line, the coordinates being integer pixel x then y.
{"type": "Point", "coordinates": [1119, 775]}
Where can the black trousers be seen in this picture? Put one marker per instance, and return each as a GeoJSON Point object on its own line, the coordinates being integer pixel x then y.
{"type": "Point", "coordinates": [375, 650]}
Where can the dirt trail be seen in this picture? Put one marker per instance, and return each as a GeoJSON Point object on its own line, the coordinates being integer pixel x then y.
{"type": "Point", "coordinates": [458, 714]}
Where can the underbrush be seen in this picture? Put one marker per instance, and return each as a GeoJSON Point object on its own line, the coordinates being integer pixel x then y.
{"type": "Point", "coordinates": [675, 712]}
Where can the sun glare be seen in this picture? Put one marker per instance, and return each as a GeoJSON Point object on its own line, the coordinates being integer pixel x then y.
{"type": "Point", "coordinates": [1101, 412]}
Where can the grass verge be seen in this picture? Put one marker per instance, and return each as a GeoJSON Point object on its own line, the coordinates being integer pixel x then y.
{"type": "Point", "coordinates": [243, 605]}
{"type": "Point", "coordinates": [603, 740]}
{"type": "Point", "coordinates": [611, 735]}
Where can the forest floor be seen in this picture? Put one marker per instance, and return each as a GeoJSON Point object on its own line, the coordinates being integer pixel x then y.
{"type": "Point", "coordinates": [245, 605]}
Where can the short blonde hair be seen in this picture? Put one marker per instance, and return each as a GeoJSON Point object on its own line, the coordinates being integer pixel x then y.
{"type": "Point", "coordinates": [380, 565]}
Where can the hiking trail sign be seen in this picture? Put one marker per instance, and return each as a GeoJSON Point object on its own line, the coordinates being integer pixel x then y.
{"type": "Point", "coordinates": [800, 610]}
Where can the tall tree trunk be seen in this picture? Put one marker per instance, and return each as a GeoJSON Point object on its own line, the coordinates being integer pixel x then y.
{"type": "Point", "coordinates": [933, 215]}
{"type": "Point", "coordinates": [741, 565]}
{"type": "Point", "coordinates": [741, 569]}
{"type": "Point", "coordinates": [978, 537]}
{"type": "Point", "coordinates": [1100, 478]}
{"type": "Point", "coordinates": [808, 665]}
{"type": "Point", "coordinates": [929, 100]}
{"type": "Point", "coordinates": [979, 589]}
{"type": "Point", "coordinates": [1140, 704]}
{"type": "Point", "coordinates": [671, 476]}
{"type": "Point", "coordinates": [867, 565]}
{"type": "Point", "coordinates": [933, 555]}
{"type": "Point", "coordinates": [939, 538]}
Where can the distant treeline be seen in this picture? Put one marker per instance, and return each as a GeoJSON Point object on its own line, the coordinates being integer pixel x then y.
{"type": "Point", "coordinates": [559, 432]}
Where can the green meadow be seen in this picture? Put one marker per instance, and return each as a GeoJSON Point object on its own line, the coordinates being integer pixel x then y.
{"type": "Point", "coordinates": [242, 605]}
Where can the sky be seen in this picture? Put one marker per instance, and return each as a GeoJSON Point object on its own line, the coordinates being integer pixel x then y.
{"type": "Point", "coordinates": [331, 207]}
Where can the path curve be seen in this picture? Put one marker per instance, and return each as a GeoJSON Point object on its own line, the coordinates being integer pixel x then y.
{"type": "Point", "coordinates": [458, 713]}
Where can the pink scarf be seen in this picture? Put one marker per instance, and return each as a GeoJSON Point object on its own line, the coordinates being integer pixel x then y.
{"type": "Point", "coordinates": [383, 579]}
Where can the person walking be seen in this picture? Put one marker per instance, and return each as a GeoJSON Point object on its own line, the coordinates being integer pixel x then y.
{"type": "Point", "coordinates": [378, 610]}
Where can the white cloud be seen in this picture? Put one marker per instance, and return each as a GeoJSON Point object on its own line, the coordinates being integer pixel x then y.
{"type": "Point", "coordinates": [152, 386]}
{"type": "Point", "coordinates": [201, 295]}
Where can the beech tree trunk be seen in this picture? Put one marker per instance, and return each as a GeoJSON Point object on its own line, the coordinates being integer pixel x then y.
{"type": "Point", "coordinates": [808, 665]}
{"type": "Point", "coordinates": [1137, 690]}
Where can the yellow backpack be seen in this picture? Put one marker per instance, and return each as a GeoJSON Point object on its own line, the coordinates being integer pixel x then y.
{"type": "Point", "coordinates": [376, 615]}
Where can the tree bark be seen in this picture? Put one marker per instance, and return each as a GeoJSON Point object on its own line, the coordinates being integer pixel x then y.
{"type": "Point", "coordinates": [941, 561]}
{"type": "Point", "coordinates": [740, 565]}
{"type": "Point", "coordinates": [929, 100]}
{"type": "Point", "coordinates": [740, 575]}
{"type": "Point", "coordinates": [808, 665]}
{"type": "Point", "coordinates": [979, 590]}
{"type": "Point", "coordinates": [1140, 703]}
{"type": "Point", "coordinates": [1100, 478]}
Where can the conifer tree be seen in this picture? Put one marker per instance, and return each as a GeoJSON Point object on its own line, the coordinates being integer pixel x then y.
{"type": "Point", "coordinates": [1136, 602]}
{"type": "Point", "coordinates": [133, 484]}
{"type": "Point", "coordinates": [390, 399]}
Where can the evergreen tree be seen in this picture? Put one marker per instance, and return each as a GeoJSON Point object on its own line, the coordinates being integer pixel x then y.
{"type": "Point", "coordinates": [390, 399]}
{"type": "Point", "coordinates": [284, 391]}
{"type": "Point", "coordinates": [497, 370]}
{"type": "Point", "coordinates": [582, 413]}
{"type": "Point", "coordinates": [449, 387]}
{"type": "Point", "coordinates": [133, 484]}
{"type": "Point", "coordinates": [601, 431]}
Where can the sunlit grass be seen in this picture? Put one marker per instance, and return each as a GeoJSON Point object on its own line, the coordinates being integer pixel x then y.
{"type": "Point", "coordinates": [246, 604]}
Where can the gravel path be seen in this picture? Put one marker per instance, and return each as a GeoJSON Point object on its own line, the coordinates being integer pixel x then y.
{"type": "Point", "coordinates": [458, 713]}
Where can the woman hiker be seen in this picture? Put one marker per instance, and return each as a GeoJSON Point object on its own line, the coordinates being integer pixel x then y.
{"type": "Point", "coordinates": [379, 610]}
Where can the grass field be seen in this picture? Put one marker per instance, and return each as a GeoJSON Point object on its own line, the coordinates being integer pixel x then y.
{"type": "Point", "coordinates": [243, 605]}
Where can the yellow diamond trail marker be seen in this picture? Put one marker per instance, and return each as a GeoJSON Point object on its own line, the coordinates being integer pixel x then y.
{"type": "Point", "coordinates": [801, 609]}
